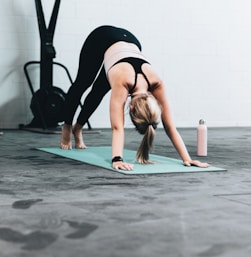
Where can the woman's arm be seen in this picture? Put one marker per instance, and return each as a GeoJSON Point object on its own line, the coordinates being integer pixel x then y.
{"type": "Point", "coordinates": [160, 94]}
{"type": "Point", "coordinates": [118, 99]}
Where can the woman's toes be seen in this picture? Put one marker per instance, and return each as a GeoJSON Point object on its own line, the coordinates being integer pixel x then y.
{"type": "Point", "coordinates": [65, 146]}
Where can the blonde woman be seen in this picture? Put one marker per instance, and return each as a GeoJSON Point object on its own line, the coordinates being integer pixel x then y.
{"type": "Point", "coordinates": [111, 59]}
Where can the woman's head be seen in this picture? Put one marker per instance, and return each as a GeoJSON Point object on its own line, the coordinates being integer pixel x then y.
{"type": "Point", "coordinates": [145, 114]}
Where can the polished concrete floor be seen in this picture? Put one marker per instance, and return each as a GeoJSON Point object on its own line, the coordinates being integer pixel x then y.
{"type": "Point", "coordinates": [56, 207]}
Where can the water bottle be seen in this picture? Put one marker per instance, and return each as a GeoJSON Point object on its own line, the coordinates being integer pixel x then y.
{"type": "Point", "coordinates": [202, 138]}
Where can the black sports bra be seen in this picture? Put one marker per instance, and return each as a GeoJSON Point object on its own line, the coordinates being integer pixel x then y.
{"type": "Point", "coordinates": [137, 65]}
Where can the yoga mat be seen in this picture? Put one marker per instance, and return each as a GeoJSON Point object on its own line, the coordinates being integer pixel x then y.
{"type": "Point", "coordinates": [101, 157]}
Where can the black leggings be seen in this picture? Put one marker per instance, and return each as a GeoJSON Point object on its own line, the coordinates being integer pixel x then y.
{"type": "Point", "coordinates": [91, 59]}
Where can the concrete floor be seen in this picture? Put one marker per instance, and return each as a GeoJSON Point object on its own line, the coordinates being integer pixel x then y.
{"type": "Point", "coordinates": [56, 207]}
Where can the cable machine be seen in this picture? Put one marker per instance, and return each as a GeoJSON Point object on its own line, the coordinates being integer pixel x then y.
{"type": "Point", "coordinates": [48, 101]}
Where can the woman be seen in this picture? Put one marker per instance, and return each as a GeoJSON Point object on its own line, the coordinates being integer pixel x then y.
{"type": "Point", "coordinates": [111, 58]}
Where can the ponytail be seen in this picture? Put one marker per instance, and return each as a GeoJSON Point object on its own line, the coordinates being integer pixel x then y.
{"type": "Point", "coordinates": [146, 146]}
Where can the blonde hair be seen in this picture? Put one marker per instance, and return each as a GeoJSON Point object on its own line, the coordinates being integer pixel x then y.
{"type": "Point", "coordinates": [145, 114]}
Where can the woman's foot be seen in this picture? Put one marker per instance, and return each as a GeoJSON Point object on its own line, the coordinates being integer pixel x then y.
{"type": "Point", "coordinates": [78, 136]}
{"type": "Point", "coordinates": [65, 142]}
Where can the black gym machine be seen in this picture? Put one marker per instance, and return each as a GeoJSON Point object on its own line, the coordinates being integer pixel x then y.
{"type": "Point", "coordinates": [48, 101]}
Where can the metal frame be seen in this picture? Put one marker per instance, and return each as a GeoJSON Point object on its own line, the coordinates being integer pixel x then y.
{"type": "Point", "coordinates": [47, 54]}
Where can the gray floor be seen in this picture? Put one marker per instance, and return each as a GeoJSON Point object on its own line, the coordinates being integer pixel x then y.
{"type": "Point", "coordinates": [51, 206]}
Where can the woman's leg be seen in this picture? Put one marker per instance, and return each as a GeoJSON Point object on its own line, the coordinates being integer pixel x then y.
{"type": "Point", "coordinates": [99, 89]}
{"type": "Point", "coordinates": [90, 61]}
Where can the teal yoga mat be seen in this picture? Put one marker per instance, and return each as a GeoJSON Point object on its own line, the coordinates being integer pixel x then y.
{"type": "Point", "coordinates": [101, 157]}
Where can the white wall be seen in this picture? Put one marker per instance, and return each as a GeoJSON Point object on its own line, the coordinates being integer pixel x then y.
{"type": "Point", "coordinates": [201, 49]}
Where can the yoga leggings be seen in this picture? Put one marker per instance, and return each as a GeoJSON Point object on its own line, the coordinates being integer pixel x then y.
{"type": "Point", "coordinates": [90, 72]}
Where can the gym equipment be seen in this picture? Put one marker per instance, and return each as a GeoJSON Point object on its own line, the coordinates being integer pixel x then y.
{"type": "Point", "coordinates": [47, 103]}
{"type": "Point", "coordinates": [101, 157]}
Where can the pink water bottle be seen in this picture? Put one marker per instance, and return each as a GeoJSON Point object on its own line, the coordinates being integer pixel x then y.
{"type": "Point", "coordinates": [202, 139]}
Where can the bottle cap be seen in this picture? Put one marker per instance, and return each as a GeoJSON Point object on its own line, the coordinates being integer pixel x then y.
{"type": "Point", "coordinates": [201, 122]}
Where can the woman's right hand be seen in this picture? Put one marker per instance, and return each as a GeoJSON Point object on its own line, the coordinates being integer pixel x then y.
{"type": "Point", "coordinates": [122, 166]}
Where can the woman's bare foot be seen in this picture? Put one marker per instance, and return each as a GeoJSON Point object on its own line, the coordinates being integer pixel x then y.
{"type": "Point", "coordinates": [78, 136]}
{"type": "Point", "coordinates": [65, 142]}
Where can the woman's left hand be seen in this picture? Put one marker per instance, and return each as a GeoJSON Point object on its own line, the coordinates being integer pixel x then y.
{"type": "Point", "coordinates": [196, 163]}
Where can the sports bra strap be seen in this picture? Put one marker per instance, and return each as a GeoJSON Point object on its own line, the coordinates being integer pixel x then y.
{"type": "Point", "coordinates": [137, 66]}
{"type": "Point", "coordinates": [135, 82]}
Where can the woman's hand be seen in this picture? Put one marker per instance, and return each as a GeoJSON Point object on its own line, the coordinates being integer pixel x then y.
{"type": "Point", "coordinates": [196, 163]}
{"type": "Point", "coordinates": [122, 166]}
